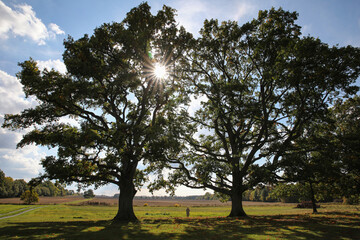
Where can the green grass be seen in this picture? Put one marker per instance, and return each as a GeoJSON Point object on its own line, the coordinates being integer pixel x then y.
{"type": "Point", "coordinates": [5, 209]}
{"type": "Point", "coordinates": [265, 222]}
{"type": "Point", "coordinates": [9, 210]}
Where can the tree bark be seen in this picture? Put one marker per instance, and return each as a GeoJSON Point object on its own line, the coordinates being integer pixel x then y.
{"type": "Point", "coordinates": [237, 209]}
{"type": "Point", "coordinates": [125, 211]}
{"type": "Point", "coordinates": [313, 202]}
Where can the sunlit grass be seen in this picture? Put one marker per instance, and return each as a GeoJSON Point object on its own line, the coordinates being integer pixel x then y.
{"type": "Point", "coordinates": [62, 213]}
{"type": "Point", "coordinates": [265, 222]}
{"type": "Point", "coordinates": [5, 209]}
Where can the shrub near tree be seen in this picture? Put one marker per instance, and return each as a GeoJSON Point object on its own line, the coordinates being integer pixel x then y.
{"type": "Point", "coordinates": [89, 194]}
{"type": "Point", "coordinates": [30, 196]}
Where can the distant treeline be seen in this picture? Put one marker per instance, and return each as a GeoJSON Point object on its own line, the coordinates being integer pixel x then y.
{"type": "Point", "coordinates": [290, 193]}
{"type": "Point", "coordinates": [50, 189]}
{"type": "Point", "coordinates": [251, 195]}
{"type": "Point", "coordinates": [14, 188]}
{"type": "Point", "coordinates": [193, 197]}
{"type": "Point", "coordinates": [281, 192]}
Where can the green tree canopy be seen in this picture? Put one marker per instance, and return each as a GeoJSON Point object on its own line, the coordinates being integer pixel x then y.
{"type": "Point", "coordinates": [120, 107]}
{"type": "Point", "coordinates": [309, 159]}
{"type": "Point", "coordinates": [328, 152]}
{"type": "Point", "coordinates": [11, 188]}
{"type": "Point", "coordinates": [4, 185]}
{"type": "Point", "coordinates": [345, 136]}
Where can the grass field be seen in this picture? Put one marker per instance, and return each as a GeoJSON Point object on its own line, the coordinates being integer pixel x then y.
{"type": "Point", "coordinates": [274, 221]}
{"type": "Point", "coordinates": [43, 200]}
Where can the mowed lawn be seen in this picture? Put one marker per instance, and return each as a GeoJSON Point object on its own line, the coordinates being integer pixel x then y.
{"type": "Point", "coordinates": [169, 222]}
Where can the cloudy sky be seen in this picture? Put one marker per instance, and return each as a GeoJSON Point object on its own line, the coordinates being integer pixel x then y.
{"type": "Point", "coordinates": [37, 28]}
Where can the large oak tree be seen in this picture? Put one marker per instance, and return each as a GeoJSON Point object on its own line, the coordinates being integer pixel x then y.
{"type": "Point", "coordinates": [259, 85]}
{"type": "Point", "coordinates": [112, 93]}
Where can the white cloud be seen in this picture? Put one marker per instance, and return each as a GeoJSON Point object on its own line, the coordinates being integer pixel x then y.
{"type": "Point", "coordinates": [191, 14]}
{"type": "Point", "coordinates": [22, 21]}
{"type": "Point", "coordinates": [12, 98]}
{"type": "Point", "coordinates": [17, 163]}
{"type": "Point", "coordinates": [242, 9]}
{"type": "Point", "coordinates": [8, 139]}
{"type": "Point", "coordinates": [57, 64]}
{"type": "Point", "coordinates": [56, 29]}
{"type": "Point", "coordinates": [21, 163]}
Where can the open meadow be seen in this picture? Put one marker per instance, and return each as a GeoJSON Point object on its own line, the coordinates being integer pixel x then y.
{"type": "Point", "coordinates": [166, 219]}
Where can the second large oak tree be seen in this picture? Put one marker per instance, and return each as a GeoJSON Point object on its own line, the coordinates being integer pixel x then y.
{"type": "Point", "coordinates": [259, 85]}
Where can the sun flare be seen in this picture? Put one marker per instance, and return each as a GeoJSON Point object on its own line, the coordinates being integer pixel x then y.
{"type": "Point", "coordinates": [160, 71]}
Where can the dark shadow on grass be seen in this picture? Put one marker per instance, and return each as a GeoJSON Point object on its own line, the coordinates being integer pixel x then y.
{"type": "Point", "coordinates": [77, 230]}
{"type": "Point", "coordinates": [347, 214]}
{"type": "Point", "coordinates": [305, 226]}
{"type": "Point", "coordinates": [273, 227]}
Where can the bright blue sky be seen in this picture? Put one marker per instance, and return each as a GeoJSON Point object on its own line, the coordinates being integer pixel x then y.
{"type": "Point", "coordinates": [37, 28]}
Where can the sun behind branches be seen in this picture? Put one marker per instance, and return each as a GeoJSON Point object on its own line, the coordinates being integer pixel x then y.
{"type": "Point", "coordinates": [160, 71]}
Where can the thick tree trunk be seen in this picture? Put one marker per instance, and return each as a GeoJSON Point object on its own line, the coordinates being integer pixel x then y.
{"type": "Point", "coordinates": [313, 202]}
{"type": "Point", "coordinates": [237, 209]}
{"type": "Point", "coordinates": [125, 211]}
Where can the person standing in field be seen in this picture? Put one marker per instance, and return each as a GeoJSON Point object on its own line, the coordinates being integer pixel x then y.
{"type": "Point", "coordinates": [187, 212]}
